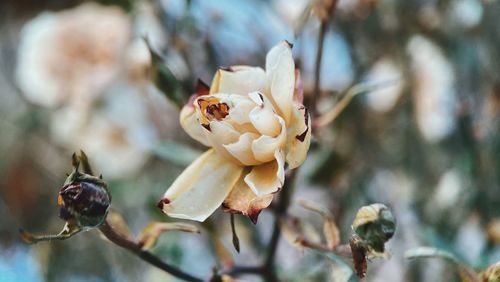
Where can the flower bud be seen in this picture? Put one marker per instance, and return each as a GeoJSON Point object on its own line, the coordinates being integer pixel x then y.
{"type": "Point", "coordinates": [84, 198]}
{"type": "Point", "coordinates": [492, 273]}
{"type": "Point", "coordinates": [375, 225]}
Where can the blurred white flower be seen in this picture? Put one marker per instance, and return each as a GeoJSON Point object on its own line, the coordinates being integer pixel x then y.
{"type": "Point", "coordinates": [448, 191]}
{"type": "Point", "coordinates": [465, 13]}
{"type": "Point", "coordinates": [254, 121]}
{"type": "Point", "coordinates": [433, 94]}
{"type": "Point", "coordinates": [71, 55]}
{"type": "Point", "coordinates": [118, 135]}
{"type": "Point", "coordinates": [384, 71]}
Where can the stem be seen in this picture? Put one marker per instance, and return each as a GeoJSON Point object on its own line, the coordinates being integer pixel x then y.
{"type": "Point", "coordinates": [317, 67]}
{"type": "Point", "coordinates": [110, 233]}
{"type": "Point", "coordinates": [285, 197]}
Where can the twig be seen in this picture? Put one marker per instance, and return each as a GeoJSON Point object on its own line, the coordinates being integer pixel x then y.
{"type": "Point", "coordinates": [317, 68]}
{"type": "Point", "coordinates": [333, 113]}
{"type": "Point", "coordinates": [108, 231]}
{"type": "Point", "coordinates": [284, 202]}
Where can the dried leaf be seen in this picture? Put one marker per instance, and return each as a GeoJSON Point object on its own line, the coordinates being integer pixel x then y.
{"type": "Point", "coordinates": [289, 228]}
{"type": "Point", "coordinates": [492, 273]}
{"type": "Point", "coordinates": [236, 240]}
{"type": "Point", "coordinates": [223, 253]}
{"type": "Point", "coordinates": [152, 232]}
{"type": "Point", "coordinates": [330, 229]}
{"type": "Point", "coordinates": [70, 229]}
{"type": "Point", "coordinates": [358, 250]}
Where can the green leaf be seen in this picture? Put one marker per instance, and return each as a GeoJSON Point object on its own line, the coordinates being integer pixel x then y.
{"type": "Point", "coordinates": [165, 80]}
{"type": "Point", "coordinates": [176, 153]}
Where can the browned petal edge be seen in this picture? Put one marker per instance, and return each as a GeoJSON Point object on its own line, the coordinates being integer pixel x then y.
{"type": "Point", "coordinates": [201, 88]}
{"type": "Point", "coordinates": [302, 136]}
{"type": "Point", "coordinates": [163, 201]}
{"type": "Point", "coordinates": [224, 68]}
{"type": "Point", "coordinates": [252, 214]}
{"type": "Point", "coordinates": [289, 44]}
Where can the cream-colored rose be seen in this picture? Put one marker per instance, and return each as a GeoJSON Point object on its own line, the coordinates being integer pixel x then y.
{"type": "Point", "coordinates": [71, 56]}
{"type": "Point", "coordinates": [255, 122]}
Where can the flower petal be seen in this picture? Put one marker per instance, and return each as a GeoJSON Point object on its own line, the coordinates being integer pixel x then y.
{"type": "Point", "coordinates": [267, 178]}
{"type": "Point", "coordinates": [201, 188]}
{"type": "Point", "coordinates": [263, 116]}
{"type": "Point", "coordinates": [190, 124]}
{"type": "Point", "coordinates": [264, 147]}
{"type": "Point", "coordinates": [243, 200]}
{"type": "Point", "coordinates": [298, 136]}
{"type": "Point", "coordinates": [239, 80]}
{"type": "Point", "coordinates": [220, 133]}
{"type": "Point", "coordinates": [280, 69]}
{"type": "Point", "coordinates": [242, 149]}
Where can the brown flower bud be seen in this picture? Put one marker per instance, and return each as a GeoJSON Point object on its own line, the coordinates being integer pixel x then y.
{"type": "Point", "coordinates": [375, 225]}
{"type": "Point", "coordinates": [84, 198]}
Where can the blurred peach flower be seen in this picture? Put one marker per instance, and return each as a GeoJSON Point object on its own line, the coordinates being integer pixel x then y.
{"type": "Point", "coordinates": [254, 122]}
{"type": "Point", "coordinates": [71, 55]}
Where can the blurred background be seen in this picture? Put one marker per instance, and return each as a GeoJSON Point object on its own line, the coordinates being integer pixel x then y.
{"type": "Point", "coordinates": [76, 75]}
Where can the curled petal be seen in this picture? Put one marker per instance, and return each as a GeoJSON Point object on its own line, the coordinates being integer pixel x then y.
{"type": "Point", "coordinates": [243, 200]}
{"type": "Point", "coordinates": [280, 70]}
{"type": "Point", "coordinates": [265, 146]}
{"type": "Point", "coordinates": [298, 137]}
{"type": "Point", "coordinates": [241, 150]}
{"type": "Point", "coordinates": [220, 134]}
{"type": "Point", "coordinates": [239, 80]}
{"type": "Point", "coordinates": [262, 116]}
{"type": "Point", "coordinates": [267, 178]}
{"type": "Point", "coordinates": [190, 124]}
{"type": "Point", "coordinates": [201, 188]}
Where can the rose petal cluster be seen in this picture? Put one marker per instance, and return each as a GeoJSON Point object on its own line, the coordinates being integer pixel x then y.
{"type": "Point", "coordinates": [254, 121]}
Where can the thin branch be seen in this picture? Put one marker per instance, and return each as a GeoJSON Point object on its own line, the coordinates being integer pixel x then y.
{"type": "Point", "coordinates": [110, 233]}
{"type": "Point", "coordinates": [284, 202]}
{"type": "Point", "coordinates": [317, 68]}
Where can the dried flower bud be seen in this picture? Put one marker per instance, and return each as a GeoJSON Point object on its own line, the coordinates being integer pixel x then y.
{"type": "Point", "coordinates": [84, 198]}
{"type": "Point", "coordinates": [374, 224]}
{"type": "Point", "coordinates": [492, 273]}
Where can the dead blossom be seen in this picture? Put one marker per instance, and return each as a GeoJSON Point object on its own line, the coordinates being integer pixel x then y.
{"type": "Point", "coordinates": [254, 122]}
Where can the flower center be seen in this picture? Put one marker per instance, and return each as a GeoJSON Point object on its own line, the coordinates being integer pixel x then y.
{"type": "Point", "coordinates": [217, 111]}
{"type": "Point", "coordinates": [212, 109]}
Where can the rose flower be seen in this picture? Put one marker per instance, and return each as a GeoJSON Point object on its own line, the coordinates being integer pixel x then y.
{"type": "Point", "coordinates": [254, 122]}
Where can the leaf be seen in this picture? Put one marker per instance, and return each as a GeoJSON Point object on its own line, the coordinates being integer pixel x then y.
{"type": "Point", "coordinates": [176, 153]}
{"type": "Point", "coordinates": [165, 79]}
{"type": "Point", "coordinates": [340, 270]}
{"type": "Point", "coordinates": [152, 232]}
{"type": "Point", "coordinates": [330, 229]}
{"type": "Point", "coordinates": [430, 252]}
{"type": "Point", "coordinates": [70, 229]}
{"type": "Point", "coordinates": [289, 228]}
{"type": "Point", "coordinates": [358, 250]}
{"type": "Point", "coordinates": [236, 241]}
{"type": "Point", "coordinates": [467, 274]}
